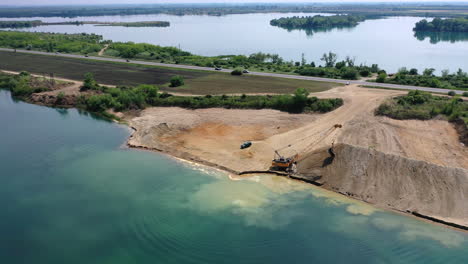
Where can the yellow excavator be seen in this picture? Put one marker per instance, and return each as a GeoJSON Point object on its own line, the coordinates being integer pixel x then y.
{"type": "Point", "coordinates": [282, 163]}
{"type": "Point", "coordinates": [288, 164]}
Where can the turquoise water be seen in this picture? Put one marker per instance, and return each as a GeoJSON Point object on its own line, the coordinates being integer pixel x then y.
{"type": "Point", "coordinates": [71, 193]}
{"type": "Point", "coordinates": [389, 42]}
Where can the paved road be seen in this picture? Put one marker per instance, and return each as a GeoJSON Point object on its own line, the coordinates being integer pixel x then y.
{"type": "Point", "coordinates": [277, 75]}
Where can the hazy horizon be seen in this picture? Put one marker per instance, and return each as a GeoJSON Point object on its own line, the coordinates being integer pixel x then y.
{"type": "Point", "coordinates": [129, 2]}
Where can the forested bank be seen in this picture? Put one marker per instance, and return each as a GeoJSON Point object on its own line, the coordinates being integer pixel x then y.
{"type": "Point", "coordinates": [442, 25]}
{"type": "Point", "coordinates": [14, 24]}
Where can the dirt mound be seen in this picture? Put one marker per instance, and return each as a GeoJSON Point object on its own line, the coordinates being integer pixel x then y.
{"type": "Point", "coordinates": [392, 181]}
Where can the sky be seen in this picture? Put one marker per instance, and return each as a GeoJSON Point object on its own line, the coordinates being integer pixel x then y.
{"type": "Point", "coordinates": [97, 2]}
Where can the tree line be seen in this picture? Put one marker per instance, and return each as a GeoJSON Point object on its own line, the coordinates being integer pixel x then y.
{"type": "Point", "coordinates": [455, 80]}
{"type": "Point", "coordinates": [36, 23]}
{"type": "Point", "coordinates": [20, 24]}
{"type": "Point", "coordinates": [51, 42]}
{"type": "Point", "coordinates": [318, 21]}
{"type": "Point", "coordinates": [442, 25]}
{"type": "Point", "coordinates": [124, 98]}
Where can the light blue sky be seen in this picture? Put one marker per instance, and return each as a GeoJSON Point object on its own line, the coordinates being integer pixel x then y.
{"type": "Point", "coordinates": [77, 2]}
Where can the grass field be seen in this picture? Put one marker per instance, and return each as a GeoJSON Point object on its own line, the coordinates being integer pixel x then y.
{"type": "Point", "coordinates": [196, 82]}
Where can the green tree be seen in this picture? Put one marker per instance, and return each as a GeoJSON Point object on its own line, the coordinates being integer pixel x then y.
{"type": "Point", "coordinates": [177, 81]}
{"type": "Point", "coordinates": [329, 59]}
{"type": "Point", "coordinates": [429, 72]}
{"type": "Point", "coordinates": [413, 71]}
{"type": "Point", "coordinates": [381, 78]}
{"type": "Point", "coordinates": [299, 100]}
{"type": "Point", "coordinates": [89, 82]}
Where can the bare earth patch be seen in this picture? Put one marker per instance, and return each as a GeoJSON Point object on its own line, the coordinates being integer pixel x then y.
{"type": "Point", "coordinates": [374, 154]}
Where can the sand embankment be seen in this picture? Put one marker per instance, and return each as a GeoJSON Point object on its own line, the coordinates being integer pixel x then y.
{"type": "Point", "coordinates": [393, 181]}
{"type": "Point", "coordinates": [404, 165]}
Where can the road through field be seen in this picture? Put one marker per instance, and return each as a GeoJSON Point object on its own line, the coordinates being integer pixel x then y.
{"type": "Point", "coordinates": [276, 75]}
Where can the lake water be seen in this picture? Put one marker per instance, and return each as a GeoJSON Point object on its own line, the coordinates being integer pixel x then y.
{"type": "Point", "coordinates": [70, 193]}
{"type": "Point", "coordinates": [389, 42]}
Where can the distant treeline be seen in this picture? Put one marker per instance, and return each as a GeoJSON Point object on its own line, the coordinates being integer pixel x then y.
{"type": "Point", "coordinates": [317, 22]}
{"type": "Point", "coordinates": [20, 24]}
{"type": "Point", "coordinates": [395, 9]}
{"type": "Point", "coordinates": [442, 25]}
{"type": "Point", "coordinates": [36, 23]}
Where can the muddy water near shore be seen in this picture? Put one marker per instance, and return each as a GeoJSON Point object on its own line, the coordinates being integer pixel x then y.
{"type": "Point", "coordinates": [71, 193]}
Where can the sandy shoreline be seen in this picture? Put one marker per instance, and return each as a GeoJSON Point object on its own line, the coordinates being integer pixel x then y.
{"type": "Point", "coordinates": [212, 137]}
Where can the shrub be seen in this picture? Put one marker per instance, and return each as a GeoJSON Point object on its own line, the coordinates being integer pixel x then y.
{"type": "Point", "coordinates": [349, 73]}
{"type": "Point", "coordinates": [451, 93]}
{"type": "Point", "coordinates": [60, 97]}
{"type": "Point", "coordinates": [364, 72]}
{"type": "Point", "coordinates": [465, 94]}
{"type": "Point", "coordinates": [89, 82]}
{"type": "Point", "coordinates": [381, 78]}
{"type": "Point", "coordinates": [177, 81]}
{"type": "Point", "coordinates": [237, 72]}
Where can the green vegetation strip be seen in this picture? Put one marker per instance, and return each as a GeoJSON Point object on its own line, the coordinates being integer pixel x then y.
{"type": "Point", "coordinates": [36, 23]}
{"type": "Point", "coordinates": [457, 80]}
{"type": "Point", "coordinates": [196, 82]}
{"type": "Point", "coordinates": [424, 106]}
{"type": "Point", "coordinates": [101, 98]}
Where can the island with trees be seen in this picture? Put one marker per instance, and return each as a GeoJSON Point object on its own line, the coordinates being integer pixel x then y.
{"type": "Point", "coordinates": [442, 25]}
{"type": "Point", "coordinates": [35, 23]}
{"type": "Point", "coordinates": [318, 22]}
